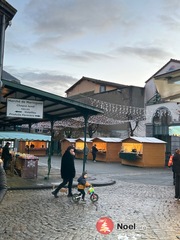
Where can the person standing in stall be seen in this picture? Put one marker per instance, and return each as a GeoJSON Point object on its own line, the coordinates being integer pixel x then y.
{"type": "Point", "coordinates": [170, 164]}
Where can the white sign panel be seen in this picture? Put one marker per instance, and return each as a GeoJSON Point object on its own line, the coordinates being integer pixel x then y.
{"type": "Point", "coordinates": [23, 108]}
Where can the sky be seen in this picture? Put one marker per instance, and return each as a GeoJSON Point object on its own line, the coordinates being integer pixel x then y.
{"type": "Point", "coordinates": [50, 45]}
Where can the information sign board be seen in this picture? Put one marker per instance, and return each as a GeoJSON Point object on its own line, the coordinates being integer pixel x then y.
{"type": "Point", "coordinates": [23, 108]}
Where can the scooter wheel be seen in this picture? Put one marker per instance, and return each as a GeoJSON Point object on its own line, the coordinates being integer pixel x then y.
{"type": "Point", "coordinates": [75, 197]}
{"type": "Point", "coordinates": [94, 197]}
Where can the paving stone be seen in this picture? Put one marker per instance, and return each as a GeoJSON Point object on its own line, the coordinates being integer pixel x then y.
{"type": "Point", "coordinates": [141, 196]}
{"type": "Point", "coordinates": [37, 215]}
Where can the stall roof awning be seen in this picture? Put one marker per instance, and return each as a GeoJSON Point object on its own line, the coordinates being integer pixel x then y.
{"type": "Point", "coordinates": [146, 139]}
{"type": "Point", "coordinates": [108, 139]}
{"type": "Point", "coordinates": [168, 85]}
{"type": "Point", "coordinates": [174, 130]}
{"type": "Point", "coordinates": [23, 136]}
{"type": "Point", "coordinates": [82, 139]}
{"type": "Point", "coordinates": [54, 107]}
{"type": "Point", "coordinates": [71, 140]}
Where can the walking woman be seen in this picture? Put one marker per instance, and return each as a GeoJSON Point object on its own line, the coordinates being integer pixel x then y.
{"type": "Point", "coordinates": [67, 171]}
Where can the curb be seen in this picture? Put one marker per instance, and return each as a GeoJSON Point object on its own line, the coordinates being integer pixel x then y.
{"type": "Point", "coordinates": [39, 187]}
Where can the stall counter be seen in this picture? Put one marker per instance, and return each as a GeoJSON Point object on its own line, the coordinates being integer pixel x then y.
{"type": "Point", "coordinates": [27, 165]}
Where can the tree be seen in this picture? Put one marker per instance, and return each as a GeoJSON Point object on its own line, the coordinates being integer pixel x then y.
{"type": "Point", "coordinates": [133, 123]}
{"type": "Point", "coordinates": [92, 128]}
{"type": "Point", "coordinates": [68, 132]}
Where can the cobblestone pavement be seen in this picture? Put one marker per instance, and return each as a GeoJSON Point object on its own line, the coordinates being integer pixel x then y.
{"type": "Point", "coordinates": [37, 215]}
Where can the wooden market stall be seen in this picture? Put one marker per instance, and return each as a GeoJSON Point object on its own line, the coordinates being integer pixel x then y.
{"type": "Point", "coordinates": [80, 147]}
{"type": "Point", "coordinates": [24, 142]}
{"type": "Point", "coordinates": [143, 152]}
{"type": "Point", "coordinates": [25, 163]}
{"type": "Point", "coordinates": [38, 148]}
{"type": "Point", "coordinates": [66, 142]}
{"type": "Point", "coordinates": [108, 149]}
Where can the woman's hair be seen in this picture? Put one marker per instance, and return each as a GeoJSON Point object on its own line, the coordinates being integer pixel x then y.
{"type": "Point", "coordinates": [69, 148]}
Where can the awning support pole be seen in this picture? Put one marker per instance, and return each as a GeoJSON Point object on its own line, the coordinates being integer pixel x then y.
{"type": "Point", "coordinates": [50, 150]}
{"type": "Point", "coordinates": [86, 117]}
{"type": "Point", "coordinates": [29, 130]}
{"type": "Point", "coordinates": [2, 40]}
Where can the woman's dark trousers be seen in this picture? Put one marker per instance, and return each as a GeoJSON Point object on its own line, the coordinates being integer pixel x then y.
{"type": "Point", "coordinates": [65, 181]}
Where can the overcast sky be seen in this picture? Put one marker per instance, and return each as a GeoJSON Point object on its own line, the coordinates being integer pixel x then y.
{"type": "Point", "coordinates": [52, 44]}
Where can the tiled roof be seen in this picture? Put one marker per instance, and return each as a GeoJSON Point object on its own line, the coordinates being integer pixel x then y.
{"type": "Point", "coordinates": [171, 60]}
{"type": "Point", "coordinates": [100, 82]}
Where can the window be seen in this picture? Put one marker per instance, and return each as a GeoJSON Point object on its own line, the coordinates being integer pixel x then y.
{"type": "Point", "coordinates": [161, 121]}
{"type": "Point", "coordinates": [102, 88]}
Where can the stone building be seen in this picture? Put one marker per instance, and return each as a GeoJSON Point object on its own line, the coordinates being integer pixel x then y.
{"type": "Point", "coordinates": [162, 100]}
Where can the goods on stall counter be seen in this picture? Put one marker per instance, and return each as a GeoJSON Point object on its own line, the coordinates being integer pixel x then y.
{"type": "Point", "coordinates": [24, 155]}
{"type": "Point", "coordinates": [28, 156]}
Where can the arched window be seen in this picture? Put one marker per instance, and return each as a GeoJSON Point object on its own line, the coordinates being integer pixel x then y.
{"type": "Point", "coordinates": [161, 121]}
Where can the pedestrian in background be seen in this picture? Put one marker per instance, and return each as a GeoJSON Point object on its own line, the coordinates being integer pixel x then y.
{"type": "Point", "coordinates": [94, 152]}
{"type": "Point", "coordinates": [67, 171]}
{"type": "Point", "coordinates": [176, 167]}
{"type": "Point", "coordinates": [170, 164]}
{"type": "Point", "coordinates": [6, 156]}
{"type": "Point", "coordinates": [3, 183]}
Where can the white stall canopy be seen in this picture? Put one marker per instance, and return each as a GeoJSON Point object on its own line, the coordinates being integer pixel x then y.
{"type": "Point", "coordinates": [24, 136]}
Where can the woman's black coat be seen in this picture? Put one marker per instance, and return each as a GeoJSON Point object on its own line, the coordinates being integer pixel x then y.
{"type": "Point", "coordinates": [67, 166]}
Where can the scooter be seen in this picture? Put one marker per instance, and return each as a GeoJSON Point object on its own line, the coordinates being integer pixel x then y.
{"type": "Point", "coordinates": [93, 196]}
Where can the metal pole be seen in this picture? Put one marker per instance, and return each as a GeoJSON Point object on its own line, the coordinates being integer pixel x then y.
{"type": "Point", "coordinates": [50, 150]}
{"type": "Point", "coordinates": [29, 130]}
{"type": "Point", "coordinates": [85, 130]}
{"type": "Point", "coordinates": [2, 40]}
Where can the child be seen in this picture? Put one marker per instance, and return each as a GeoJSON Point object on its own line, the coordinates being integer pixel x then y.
{"type": "Point", "coordinates": [82, 184]}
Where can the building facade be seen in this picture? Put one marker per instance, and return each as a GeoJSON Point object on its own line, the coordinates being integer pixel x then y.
{"type": "Point", "coordinates": [120, 103]}
{"type": "Point", "coordinates": [162, 101]}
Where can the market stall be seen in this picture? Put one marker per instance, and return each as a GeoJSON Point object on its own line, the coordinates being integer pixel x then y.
{"type": "Point", "coordinates": [108, 149]}
{"type": "Point", "coordinates": [29, 143]}
{"type": "Point", "coordinates": [80, 147]}
{"type": "Point", "coordinates": [143, 152]}
{"type": "Point", "coordinates": [38, 148]}
{"type": "Point", "coordinates": [23, 163]}
{"type": "Point", "coordinates": [66, 142]}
